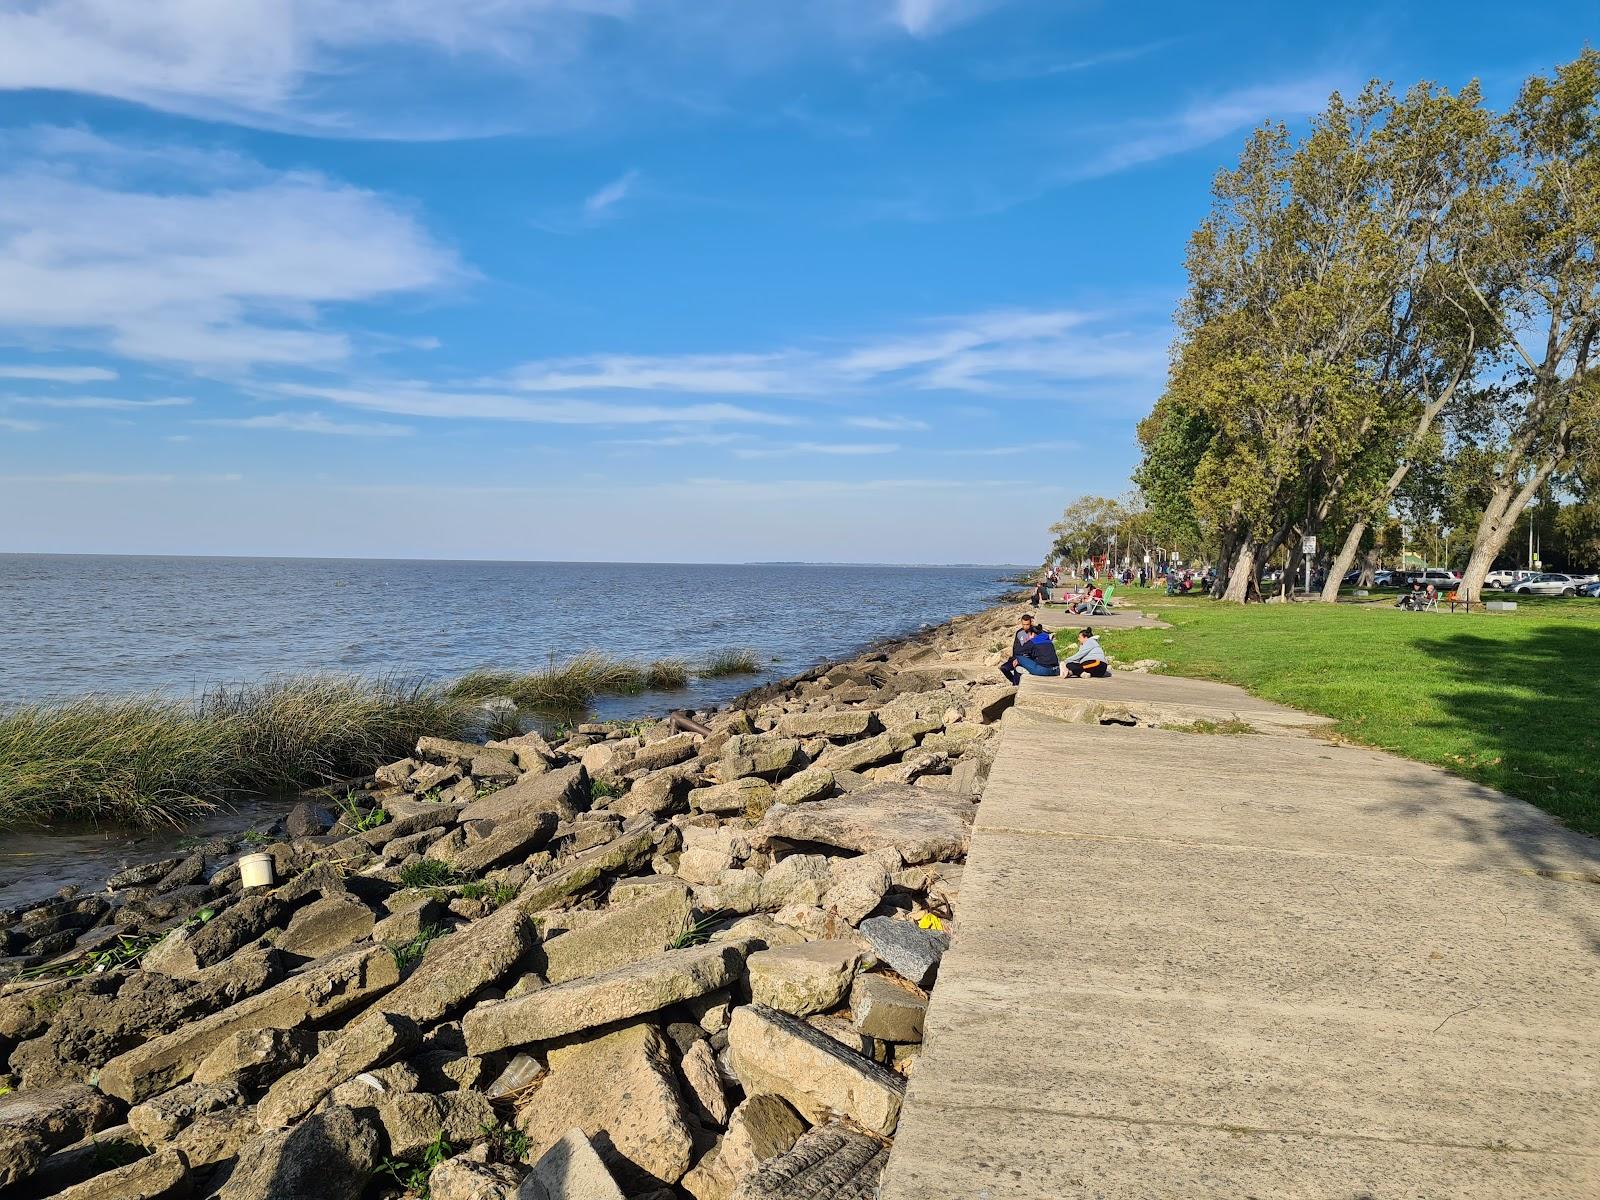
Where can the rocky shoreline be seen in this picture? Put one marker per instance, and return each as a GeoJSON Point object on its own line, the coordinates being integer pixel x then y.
{"type": "Point", "coordinates": [634, 963]}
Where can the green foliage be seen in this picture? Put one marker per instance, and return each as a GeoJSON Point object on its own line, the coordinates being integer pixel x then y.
{"type": "Point", "coordinates": [730, 662]}
{"type": "Point", "coordinates": [1232, 727]}
{"type": "Point", "coordinates": [359, 820]}
{"type": "Point", "coordinates": [506, 1143]}
{"type": "Point", "coordinates": [412, 1177]}
{"type": "Point", "coordinates": [428, 872]}
{"type": "Point", "coordinates": [697, 932]}
{"type": "Point", "coordinates": [408, 954]}
{"type": "Point", "coordinates": [604, 787]}
{"type": "Point", "coordinates": [495, 893]}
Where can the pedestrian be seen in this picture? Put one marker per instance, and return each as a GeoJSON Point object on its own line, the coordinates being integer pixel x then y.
{"type": "Point", "coordinates": [1089, 658]}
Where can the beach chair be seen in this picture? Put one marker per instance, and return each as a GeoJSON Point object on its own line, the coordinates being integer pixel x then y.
{"type": "Point", "coordinates": [1102, 606]}
{"type": "Point", "coordinates": [1429, 603]}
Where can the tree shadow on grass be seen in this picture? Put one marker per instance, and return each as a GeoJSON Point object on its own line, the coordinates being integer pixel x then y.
{"type": "Point", "coordinates": [1530, 702]}
{"type": "Point", "coordinates": [1533, 702]}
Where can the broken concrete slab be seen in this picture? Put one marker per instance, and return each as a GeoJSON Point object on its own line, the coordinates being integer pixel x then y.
{"type": "Point", "coordinates": [802, 979]}
{"type": "Point", "coordinates": [324, 990]}
{"type": "Point", "coordinates": [628, 991]}
{"type": "Point", "coordinates": [923, 825]}
{"type": "Point", "coordinates": [771, 1051]}
{"type": "Point", "coordinates": [623, 934]}
{"type": "Point", "coordinates": [637, 1117]}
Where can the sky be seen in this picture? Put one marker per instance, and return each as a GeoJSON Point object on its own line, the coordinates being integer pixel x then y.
{"type": "Point", "coordinates": [631, 280]}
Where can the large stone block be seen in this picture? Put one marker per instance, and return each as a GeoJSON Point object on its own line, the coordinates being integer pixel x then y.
{"type": "Point", "coordinates": [323, 990]}
{"type": "Point", "coordinates": [564, 792]}
{"type": "Point", "coordinates": [637, 1114]}
{"type": "Point", "coordinates": [773, 1052]}
{"type": "Point", "coordinates": [326, 925]}
{"type": "Point", "coordinates": [923, 825]}
{"type": "Point", "coordinates": [360, 1047]}
{"type": "Point", "coordinates": [329, 1154]}
{"type": "Point", "coordinates": [840, 723]}
{"type": "Point", "coordinates": [479, 955]}
{"type": "Point", "coordinates": [35, 1122]}
{"type": "Point", "coordinates": [623, 934]}
{"type": "Point", "coordinates": [570, 1170]}
{"type": "Point", "coordinates": [911, 950]}
{"type": "Point", "coordinates": [811, 977]}
{"type": "Point", "coordinates": [615, 995]}
{"type": "Point", "coordinates": [831, 1162]}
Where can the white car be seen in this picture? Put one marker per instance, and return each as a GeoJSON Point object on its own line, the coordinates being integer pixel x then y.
{"type": "Point", "coordinates": [1506, 579]}
{"type": "Point", "coordinates": [1548, 584]}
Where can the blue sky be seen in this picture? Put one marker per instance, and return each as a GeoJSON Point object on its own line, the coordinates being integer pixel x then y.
{"type": "Point", "coordinates": [705, 280]}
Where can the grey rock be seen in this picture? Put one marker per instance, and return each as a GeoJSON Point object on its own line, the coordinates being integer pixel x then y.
{"type": "Point", "coordinates": [911, 950]}
{"type": "Point", "coordinates": [328, 1156]}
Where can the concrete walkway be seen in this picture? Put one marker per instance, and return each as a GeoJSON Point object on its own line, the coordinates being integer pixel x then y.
{"type": "Point", "coordinates": [1193, 965]}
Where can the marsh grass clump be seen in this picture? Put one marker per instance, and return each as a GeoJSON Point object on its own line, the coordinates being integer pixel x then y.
{"type": "Point", "coordinates": [667, 675]}
{"type": "Point", "coordinates": [560, 687]}
{"type": "Point", "coordinates": [409, 954]}
{"type": "Point", "coordinates": [730, 662]}
{"type": "Point", "coordinates": [157, 759]}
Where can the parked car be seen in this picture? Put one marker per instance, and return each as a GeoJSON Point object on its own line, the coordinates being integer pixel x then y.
{"type": "Point", "coordinates": [1506, 579]}
{"type": "Point", "coordinates": [1385, 579]}
{"type": "Point", "coordinates": [1590, 589]}
{"type": "Point", "coordinates": [1548, 584]}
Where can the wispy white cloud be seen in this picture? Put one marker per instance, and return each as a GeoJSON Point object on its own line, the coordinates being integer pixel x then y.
{"type": "Point", "coordinates": [887, 423]}
{"type": "Point", "coordinates": [48, 374]}
{"type": "Point", "coordinates": [704, 374]}
{"type": "Point", "coordinates": [1003, 352]}
{"type": "Point", "coordinates": [105, 403]}
{"type": "Point", "coordinates": [840, 449]}
{"type": "Point", "coordinates": [215, 276]}
{"type": "Point", "coordinates": [16, 425]}
{"type": "Point", "coordinates": [1206, 121]}
{"type": "Point", "coordinates": [415, 399]}
{"type": "Point", "coordinates": [600, 203]}
{"type": "Point", "coordinates": [311, 422]}
{"type": "Point", "coordinates": [297, 65]}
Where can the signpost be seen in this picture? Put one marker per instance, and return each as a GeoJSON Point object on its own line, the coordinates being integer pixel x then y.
{"type": "Point", "coordinates": [1308, 547]}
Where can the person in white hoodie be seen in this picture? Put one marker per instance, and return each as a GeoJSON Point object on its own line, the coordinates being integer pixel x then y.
{"type": "Point", "coordinates": [1089, 659]}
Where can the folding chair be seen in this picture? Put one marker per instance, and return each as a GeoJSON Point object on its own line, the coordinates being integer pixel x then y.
{"type": "Point", "coordinates": [1429, 604]}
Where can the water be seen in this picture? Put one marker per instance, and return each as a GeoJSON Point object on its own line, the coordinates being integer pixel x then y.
{"type": "Point", "coordinates": [88, 623]}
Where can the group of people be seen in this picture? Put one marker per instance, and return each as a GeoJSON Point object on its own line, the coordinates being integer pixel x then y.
{"type": "Point", "coordinates": [1033, 650]}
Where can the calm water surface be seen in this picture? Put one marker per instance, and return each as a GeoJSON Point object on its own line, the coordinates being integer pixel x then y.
{"type": "Point", "coordinates": [74, 624]}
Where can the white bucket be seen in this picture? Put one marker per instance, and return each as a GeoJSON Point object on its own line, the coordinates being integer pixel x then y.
{"type": "Point", "coordinates": [255, 870]}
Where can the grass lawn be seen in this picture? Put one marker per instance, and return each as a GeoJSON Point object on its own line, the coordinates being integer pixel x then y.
{"type": "Point", "coordinates": [1507, 699]}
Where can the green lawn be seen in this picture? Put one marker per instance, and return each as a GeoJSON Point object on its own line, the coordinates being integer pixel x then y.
{"type": "Point", "coordinates": [1511, 700]}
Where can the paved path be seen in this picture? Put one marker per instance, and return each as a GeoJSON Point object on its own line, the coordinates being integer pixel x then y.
{"type": "Point", "coordinates": [1192, 965]}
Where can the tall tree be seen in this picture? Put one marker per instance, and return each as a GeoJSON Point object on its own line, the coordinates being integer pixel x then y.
{"type": "Point", "coordinates": [1546, 226]}
{"type": "Point", "coordinates": [1436, 152]}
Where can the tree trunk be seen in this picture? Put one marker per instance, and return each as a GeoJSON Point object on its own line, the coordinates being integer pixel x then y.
{"type": "Point", "coordinates": [1499, 518]}
{"type": "Point", "coordinates": [1342, 561]}
{"type": "Point", "coordinates": [1242, 573]}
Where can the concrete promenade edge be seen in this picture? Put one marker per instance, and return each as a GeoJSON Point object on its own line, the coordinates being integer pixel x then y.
{"type": "Point", "coordinates": [1193, 965]}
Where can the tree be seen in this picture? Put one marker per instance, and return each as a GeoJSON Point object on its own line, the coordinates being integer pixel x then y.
{"type": "Point", "coordinates": [1544, 226]}
{"type": "Point", "coordinates": [1437, 152]}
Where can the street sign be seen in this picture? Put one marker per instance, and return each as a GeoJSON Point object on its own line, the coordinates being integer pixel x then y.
{"type": "Point", "coordinates": [1308, 544]}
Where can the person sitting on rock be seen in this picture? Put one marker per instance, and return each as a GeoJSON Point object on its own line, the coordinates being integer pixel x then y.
{"type": "Point", "coordinates": [1089, 659]}
{"type": "Point", "coordinates": [1031, 647]}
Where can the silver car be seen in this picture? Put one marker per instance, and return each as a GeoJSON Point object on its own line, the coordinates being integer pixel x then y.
{"type": "Point", "coordinates": [1548, 584]}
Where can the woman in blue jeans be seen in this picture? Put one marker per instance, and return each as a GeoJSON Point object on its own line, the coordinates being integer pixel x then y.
{"type": "Point", "coordinates": [1036, 655]}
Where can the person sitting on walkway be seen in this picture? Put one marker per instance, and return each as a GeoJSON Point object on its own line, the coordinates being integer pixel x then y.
{"type": "Point", "coordinates": [1032, 650]}
{"type": "Point", "coordinates": [1093, 598]}
{"type": "Point", "coordinates": [1089, 659]}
